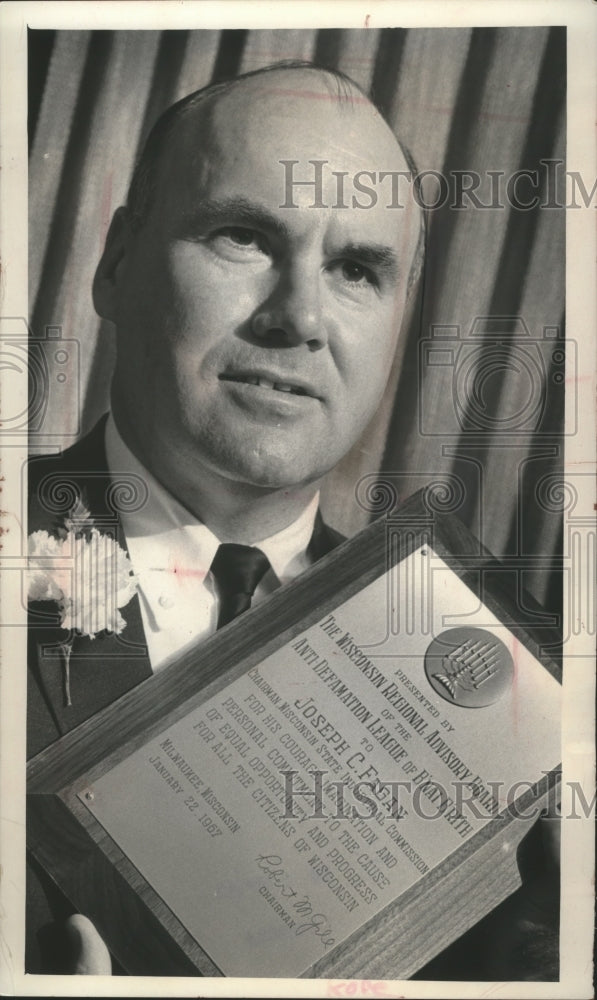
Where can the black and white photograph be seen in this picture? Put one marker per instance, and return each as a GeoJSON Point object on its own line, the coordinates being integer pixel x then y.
{"type": "Point", "coordinates": [298, 542]}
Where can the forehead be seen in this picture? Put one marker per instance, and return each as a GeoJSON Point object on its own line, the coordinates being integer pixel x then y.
{"type": "Point", "coordinates": [265, 133]}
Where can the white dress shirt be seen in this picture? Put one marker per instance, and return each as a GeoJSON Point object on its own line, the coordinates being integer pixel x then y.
{"type": "Point", "coordinates": [171, 552]}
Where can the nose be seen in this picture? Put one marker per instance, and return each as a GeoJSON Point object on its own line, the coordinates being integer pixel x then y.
{"type": "Point", "coordinates": [292, 313]}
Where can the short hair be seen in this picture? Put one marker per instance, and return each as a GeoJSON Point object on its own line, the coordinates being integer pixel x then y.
{"type": "Point", "coordinates": [144, 180]}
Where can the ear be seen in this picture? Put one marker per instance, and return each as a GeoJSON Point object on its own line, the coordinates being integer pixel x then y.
{"type": "Point", "coordinates": [106, 280]}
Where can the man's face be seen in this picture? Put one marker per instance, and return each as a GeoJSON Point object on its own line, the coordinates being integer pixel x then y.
{"type": "Point", "coordinates": [255, 340]}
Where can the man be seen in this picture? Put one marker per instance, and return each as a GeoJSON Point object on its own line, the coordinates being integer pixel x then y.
{"type": "Point", "coordinates": [257, 304]}
{"type": "Point", "coordinates": [255, 334]}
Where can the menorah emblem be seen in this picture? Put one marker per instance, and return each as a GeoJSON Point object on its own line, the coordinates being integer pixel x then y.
{"type": "Point", "coordinates": [469, 667]}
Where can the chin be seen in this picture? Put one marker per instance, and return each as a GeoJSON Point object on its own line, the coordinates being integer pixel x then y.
{"type": "Point", "coordinates": [272, 478]}
{"type": "Point", "coordinates": [272, 472]}
{"type": "Point", "coordinates": [264, 460]}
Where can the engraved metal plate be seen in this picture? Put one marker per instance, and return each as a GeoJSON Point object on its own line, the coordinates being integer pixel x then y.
{"type": "Point", "coordinates": [469, 667]}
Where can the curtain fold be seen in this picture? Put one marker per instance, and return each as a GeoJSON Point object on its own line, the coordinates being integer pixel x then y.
{"type": "Point", "coordinates": [484, 425]}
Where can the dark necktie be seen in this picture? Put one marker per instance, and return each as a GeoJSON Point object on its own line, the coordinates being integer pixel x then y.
{"type": "Point", "coordinates": [237, 570]}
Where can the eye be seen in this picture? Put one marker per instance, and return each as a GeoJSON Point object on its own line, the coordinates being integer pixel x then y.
{"type": "Point", "coordinates": [240, 244]}
{"type": "Point", "coordinates": [241, 236]}
{"type": "Point", "coordinates": [355, 273]}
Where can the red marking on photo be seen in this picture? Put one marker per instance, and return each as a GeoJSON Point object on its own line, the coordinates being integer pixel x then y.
{"type": "Point", "coordinates": [183, 572]}
{"type": "Point", "coordinates": [515, 651]}
{"type": "Point", "coordinates": [313, 95]}
{"type": "Point", "coordinates": [361, 988]}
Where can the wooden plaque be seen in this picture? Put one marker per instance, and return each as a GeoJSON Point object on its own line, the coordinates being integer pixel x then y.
{"type": "Point", "coordinates": [393, 683]}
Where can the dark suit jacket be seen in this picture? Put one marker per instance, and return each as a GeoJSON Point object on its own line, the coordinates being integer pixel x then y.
{"type": "Point", "coordinates": [103, 669]}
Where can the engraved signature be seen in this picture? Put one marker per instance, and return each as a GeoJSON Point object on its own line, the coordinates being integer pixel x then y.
{"type": "Point", "coordinates": [318, 923]}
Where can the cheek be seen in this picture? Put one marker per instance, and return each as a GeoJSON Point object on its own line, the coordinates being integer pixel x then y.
{"type": "Point", "coordinates": [365, 356]}
{"type": "Point", "coordinates": [199, 285]}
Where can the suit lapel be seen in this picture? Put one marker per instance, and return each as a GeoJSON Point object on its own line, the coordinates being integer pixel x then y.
{"type": "Point", "coordinates": [323, 539]}
{"type": "Point", "coordinates": [100, 671]}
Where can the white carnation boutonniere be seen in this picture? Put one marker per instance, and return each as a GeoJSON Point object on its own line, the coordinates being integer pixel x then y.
{"type": "Point", "coordinates": [87, 574]}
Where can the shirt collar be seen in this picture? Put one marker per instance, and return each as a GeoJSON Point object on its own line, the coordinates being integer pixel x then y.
{"type": "Point", "coordinates": [286, 550]}
{"type": "Point", "coordinates": [163, 514]}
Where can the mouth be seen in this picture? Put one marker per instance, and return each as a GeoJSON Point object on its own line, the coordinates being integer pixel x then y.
{"type": "Point", "coordinates": [271, 383]}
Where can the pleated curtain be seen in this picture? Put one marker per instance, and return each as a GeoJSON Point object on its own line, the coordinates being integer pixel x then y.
{"type": "Point", "coordinates": [475, 401]}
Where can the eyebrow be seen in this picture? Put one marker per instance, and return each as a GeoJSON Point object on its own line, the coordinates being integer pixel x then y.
{"type": "Point", "coordinates": [218, 210]}
{"type": "Point", "coordinates": [209, 213]}
{"type": "Point", "coordinates": [375, 254]}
